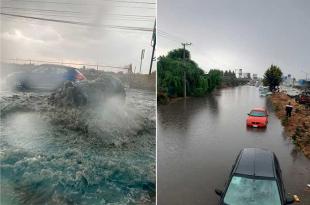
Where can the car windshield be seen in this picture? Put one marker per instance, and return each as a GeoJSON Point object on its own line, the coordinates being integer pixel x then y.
{"type": "Point", "coordinates": [257, 113]}
{"type": "Point", "coordinates": [248, 191]}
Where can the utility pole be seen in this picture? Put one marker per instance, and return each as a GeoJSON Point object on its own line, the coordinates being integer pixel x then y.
{"type": "Point", "coordinates": [184, 72]}
{"type": "Point", "coordinates": [129, 74]}
{"type": "Point", "coordinates": [306, 74]}
{"type": "Point", "coordinates": [154, 45]}
{"type": "Point", "coordinates": [142, 56]}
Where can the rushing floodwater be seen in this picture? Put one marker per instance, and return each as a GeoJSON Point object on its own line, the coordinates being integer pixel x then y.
{"type": "Point", "coordinates": [44, 164]}
{"type": "Point", "coordinates": [199, 139]}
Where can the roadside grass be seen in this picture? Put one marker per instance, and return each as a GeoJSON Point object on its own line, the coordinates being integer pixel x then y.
{"type": "Point", "coordinates": [297, 127]}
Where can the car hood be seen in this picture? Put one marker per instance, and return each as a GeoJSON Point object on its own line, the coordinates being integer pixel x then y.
{"type": "Point", "coordinates": [256, 119]}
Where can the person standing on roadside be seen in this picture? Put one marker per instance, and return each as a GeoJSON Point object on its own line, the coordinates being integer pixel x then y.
{"type": "Point", "coordinates": [288, 109]}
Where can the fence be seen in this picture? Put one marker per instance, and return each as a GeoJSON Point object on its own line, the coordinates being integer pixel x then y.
{"type": "Point", "coordinates": [82, 65]}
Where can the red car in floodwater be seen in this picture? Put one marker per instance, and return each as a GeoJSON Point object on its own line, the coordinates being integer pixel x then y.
{"type": "Point", "coordinates": [258, 117]}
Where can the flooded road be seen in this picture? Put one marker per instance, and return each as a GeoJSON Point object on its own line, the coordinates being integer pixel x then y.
{"type": "Point", "coordinates": [199, 139]}
{"type": "Point", "coordinates": [41, 163]}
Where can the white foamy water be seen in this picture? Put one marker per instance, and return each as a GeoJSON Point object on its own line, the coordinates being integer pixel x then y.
{"type": "Point", "coordinates": [46, 164]}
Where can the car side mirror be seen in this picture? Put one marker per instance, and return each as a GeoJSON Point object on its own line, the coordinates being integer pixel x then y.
{"type": "Point", "coordinates": [218, 192]}
{"type": "Point", "coordinates": [289, 200]}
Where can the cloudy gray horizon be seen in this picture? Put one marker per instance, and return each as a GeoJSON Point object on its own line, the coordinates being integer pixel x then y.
{"type": "Point", "coordinates": [53, 41]}
{"type": "Point", "coordinates": [250, 35]}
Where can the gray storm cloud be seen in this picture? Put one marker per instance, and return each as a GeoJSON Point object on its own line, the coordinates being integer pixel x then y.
{"type": "Point", "coordinates": [239, 34]}
{"type": "Point", "coordinates": [43, 40]}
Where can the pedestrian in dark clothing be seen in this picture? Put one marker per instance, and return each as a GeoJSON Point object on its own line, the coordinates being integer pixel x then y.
{"type": "Point", "coordinates": [288, 109]}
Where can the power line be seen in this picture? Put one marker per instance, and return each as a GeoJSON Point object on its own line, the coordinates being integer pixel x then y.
{"type": "Point", "coordinates": [14, 19]}
{"type": "Point", "coordinates": [167, 37]}
{"type": "Point", "coordinates": [118, 6]}
{"type": "Point", "coordinates": [133, 2]}
{"type": "Point", "coordinates": [177, 39]}
{"type": "Point", "coordinates": [116, 18]}
{"type": "Point", "coordinates": [45, 10]}
{"type": "Point", "coordinates": [71, 12]}
{"type": "Point", "coordinates": [80, 23]}
{"type": "Point", "coordinates": [171, 36]}
{"type": "Point", "coordinates": [71, 3]}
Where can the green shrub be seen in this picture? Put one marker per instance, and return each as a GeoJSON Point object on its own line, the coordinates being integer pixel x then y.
{"type": "Point", "coordinates": [284, 121]}
{"type": "Point", "coordinates": [276, 108]}
{"type": "Point", "coordinates": [198, 92]}
{"type": "Point", "coordinates": [170, 74]}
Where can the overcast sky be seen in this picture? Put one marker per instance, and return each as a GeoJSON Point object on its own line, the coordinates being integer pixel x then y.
{"type": "Point", "coordinates": [43, 40]}
{"type": "Point", "coordinates": [233, 34]}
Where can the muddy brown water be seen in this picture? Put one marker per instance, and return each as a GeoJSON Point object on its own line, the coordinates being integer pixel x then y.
{"type": "Point", "coordinates": [199, 139]}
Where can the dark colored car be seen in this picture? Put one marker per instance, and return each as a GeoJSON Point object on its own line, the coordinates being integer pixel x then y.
{"type": "Point", "coordinates": [255, 179]}
{"type": "Point", "coordinates": [103, 88]}
{"type": "Point", "coordinates": [44, 77]}
{"type": "Point", "coordinates": [304, 98]}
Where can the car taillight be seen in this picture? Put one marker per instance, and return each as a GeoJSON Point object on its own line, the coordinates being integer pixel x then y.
{"type": "Point", "coordinates": [80, 76]}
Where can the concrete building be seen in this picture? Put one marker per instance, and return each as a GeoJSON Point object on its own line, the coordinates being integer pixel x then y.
{"type": "Point", "coordinates": [288, 80]}
{"type": "Point", "coordinates": [246, 75]}
{"type": "Point", "coordinates": [240, 73]}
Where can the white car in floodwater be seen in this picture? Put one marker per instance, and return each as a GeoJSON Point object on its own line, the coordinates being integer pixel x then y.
{"type": "Point", "coordinates": [290, 91]}
{"type": "Point", "coordinates": [264, 91]}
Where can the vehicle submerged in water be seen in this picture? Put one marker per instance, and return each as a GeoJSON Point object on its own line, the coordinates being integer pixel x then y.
{"type": "Point", "coordinates": [264, 91]}
{"type": "Point", "coordinates": [68, 82]}
{"type": "Point", "coordinates": [44, 77]}
{"type": "Point", "coordinates": [255, 179]}
{"type": "Point", "coordinates": [258, 117]}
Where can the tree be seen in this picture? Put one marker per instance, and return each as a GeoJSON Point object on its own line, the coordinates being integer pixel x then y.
{"type": "Point", "coordinates": [215, 77]}
{"type": "Point", "coordinates": [177, 54]}
{"type": "Point", "coordinates": [170, 70]}
{"type": "Point", "coordinates": [272, 77]}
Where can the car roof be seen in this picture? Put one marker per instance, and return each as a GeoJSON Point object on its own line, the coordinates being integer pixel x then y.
{"type": "Point", "coordinates": [55, 66]}
{"type": "Point", "coordinates": [255, 162]}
